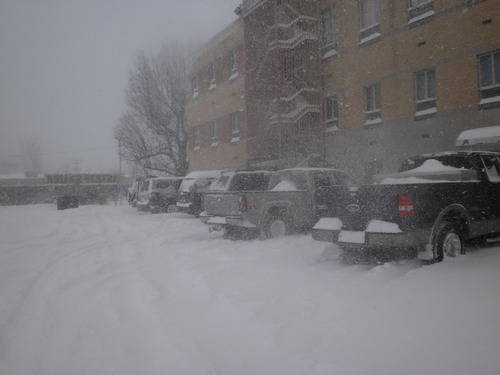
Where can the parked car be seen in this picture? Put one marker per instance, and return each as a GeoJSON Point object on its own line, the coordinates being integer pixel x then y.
{"type": "Point", "coordinates": [221, 199]}
{"type": "Point", "coordinates": [433, 205]}
{"type": "Point", "coordinates": [158, 194]}
{"type": "Point", "coordinates": [293, 201]}
{"type": "Point", "coordinates": [192, 188]}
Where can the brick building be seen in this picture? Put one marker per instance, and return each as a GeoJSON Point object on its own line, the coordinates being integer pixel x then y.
{"type": "Point", "coordinates": [363, 83]}
{"type": "Point", "coordinates": [407, 77]}
{"type": "Point", "coordinates": [215, 111]}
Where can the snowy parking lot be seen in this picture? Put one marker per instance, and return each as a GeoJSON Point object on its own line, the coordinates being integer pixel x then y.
{"type": "Point", "coordinates": [106, 290]}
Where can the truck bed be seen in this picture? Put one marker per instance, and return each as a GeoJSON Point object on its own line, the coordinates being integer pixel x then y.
{"type": "Point", "coordinates": [381, 202]}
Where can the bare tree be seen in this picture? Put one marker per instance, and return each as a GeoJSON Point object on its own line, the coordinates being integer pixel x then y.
{"type": "Point", "coordinates": [152, 132]}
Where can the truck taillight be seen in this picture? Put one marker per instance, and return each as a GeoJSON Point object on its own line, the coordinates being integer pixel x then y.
{"type": "Point", "coordinates": [193, 197]}
{"type": "Point", "coordinates": [406, 206]}
{"type": "Point", "coordinates": [243, 204]}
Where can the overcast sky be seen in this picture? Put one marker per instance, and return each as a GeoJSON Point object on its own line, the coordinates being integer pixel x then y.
{"type": "Point", "coordinates": [64, 66]}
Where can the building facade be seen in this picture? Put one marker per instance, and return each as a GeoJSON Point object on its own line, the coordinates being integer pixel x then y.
{"type": "Point", "coordinates": [216, 111]}
{"type": "Point", "coordinates": [361, 84]}
{"type": "Point", "coordinates": [406, 78]}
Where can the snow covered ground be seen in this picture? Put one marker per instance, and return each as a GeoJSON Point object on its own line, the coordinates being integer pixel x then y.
{"type": "Point", "coordinates": [105, 290]}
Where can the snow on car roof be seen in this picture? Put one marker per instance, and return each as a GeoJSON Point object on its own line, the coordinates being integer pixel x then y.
{"type": "Point", "coordinates": [449, 153]}
{"type": "Point", "coordinates": [166, 178]}
{"type": "Point", "coordinates": [490, 134]}
{"type": "Point", "coordinates": [204, 174]}
{"type": "Point", "coordinates": [310, 169]}
{"type": "Point", "coordinates": [432, 165]}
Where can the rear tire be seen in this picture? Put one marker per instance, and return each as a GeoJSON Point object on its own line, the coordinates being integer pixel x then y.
{"type": "Point", "coordinates": [277, 225]}
{"type": "Point", "coordinates": [449, 242]}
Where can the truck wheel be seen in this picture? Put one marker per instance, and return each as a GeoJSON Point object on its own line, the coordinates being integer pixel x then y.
{"type": "Point", "coordinates": [449, 242]}
{"type": "Point", "coordinates": [277, 225]}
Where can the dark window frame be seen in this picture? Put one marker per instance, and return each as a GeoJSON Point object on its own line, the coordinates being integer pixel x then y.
{"type": "Point", "coordinates": [367, 31]}
{"type": "Point", "coordinates": [491, 89]}
{"type": "Point", "coordinates": [331, 106]}
{"type": "Point", "coordinates": [428, 101]}
{"type": "Point", "coordinates": [418, 8]}
{"type": "Point", "coordinates": [328, 27]}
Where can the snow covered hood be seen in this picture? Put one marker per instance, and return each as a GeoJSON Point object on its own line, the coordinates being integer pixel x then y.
{"type": "Point", "coordinates": [431, 171]}
{"type": "Point", "coordinates": [477, 136]}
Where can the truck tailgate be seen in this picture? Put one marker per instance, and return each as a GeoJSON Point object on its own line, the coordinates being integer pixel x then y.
{"type": "Point", "coordinates": [222, 204]}
{"type": "Point", "coordinates": [375, 202]}
{"type": "Point", "coordinates": [381, 202]}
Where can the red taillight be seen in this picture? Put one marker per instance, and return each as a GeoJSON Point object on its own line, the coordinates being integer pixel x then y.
{"type": "Point", "coordinates": [193, 196]}
{"type": "Point", "coordinates": [243, 204]}
{"type": "Point", "coordinates": [155, 197]}
{"type": "Point", "coordinates": [406, 206]}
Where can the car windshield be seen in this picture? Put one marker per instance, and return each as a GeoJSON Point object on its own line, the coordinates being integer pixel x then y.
{"type": "Point", "coordinates": [195, 184]}
{"type": "Point", "coordinates": [164, 184]}
{"type": "Point", "coordinates": [250, 182]}
{"type": "Point", "coordinates": [222, 183]}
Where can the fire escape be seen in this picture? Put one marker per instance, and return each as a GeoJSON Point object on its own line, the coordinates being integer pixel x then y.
{"type": "Point", "coordinates": [288, 63]}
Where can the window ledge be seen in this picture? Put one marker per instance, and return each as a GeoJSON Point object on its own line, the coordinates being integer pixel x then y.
{"type": "Point", "coordinates": [196, 148]}
{"type": "Point", "coordinates": [195, 95]}
{"type": "Point", "coordinates": [421, 17]}
{"type": "Point", "coordinates": [235, 140]}
{"type": "Point", "coordinates": [331, 129]}
{"type": "Point", "coordinates": [494, 99]}
{"type": "Point", "coordinates": [425, 113]}
{"type": "Point", "coordinates": [370, 38]}
{"type": "Point", "coordinates": [372, 122]}
{"type": "Point", "coordinates": [214, 144]}
{"type": "Point", "coordinates": [234, 75]}
{"type": "Point", "coordinates": [331, 53]}
{"type": "Point", "coordinates": [212, 86]}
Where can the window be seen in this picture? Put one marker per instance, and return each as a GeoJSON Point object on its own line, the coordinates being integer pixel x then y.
{"type": "Point", "coordinates": [372, 98]}
{"type": "Point", "coordinates": [419, 10]}
{"type": "Point", "coordinates": [211, 76]}
{"type": "Point", "coordinates": [331, 113]}
{"type": "Point", "coordinates": [213, 134]}
{"type": "Point", "coordinates": [233, 64]}
{"type": "Point", "coordinates": [322, 179]}
{"type": "Point", "coordinates": [293, 64]}
{"type": "Point", "coordinates": [372, 104]}
{"type": "Point", "coordinates": [196, 138]}
{"type": "Point", "coordinates": [425, 92]}
{"type": "Point", "coordinates": [370, 18]}
{"type": "Point", "coordinates": [235, 127]}
{"type": "Point", "coordinates": [250, 182]}
{"type": "Point", "coordinates": [328, 35]}
{"type": "Point", "coordinates": [489, 71]}
{"type": "Point", "coordinates": [194, 86]}
{"type": "Point", "coordinates": [492, 165]}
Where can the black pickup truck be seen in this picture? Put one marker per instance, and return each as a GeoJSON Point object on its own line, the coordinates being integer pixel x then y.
{"type": "Point", "coordinates": [433, 205]}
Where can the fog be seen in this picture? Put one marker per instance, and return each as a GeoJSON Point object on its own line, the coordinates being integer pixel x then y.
{"type": "Point", "coordinates": [64, 67]}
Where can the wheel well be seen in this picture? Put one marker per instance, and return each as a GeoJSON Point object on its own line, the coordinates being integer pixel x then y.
{"type": "Point", "coordinates": [459, 220]}
{"type": "Point", "coordinates": [276, 211]}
